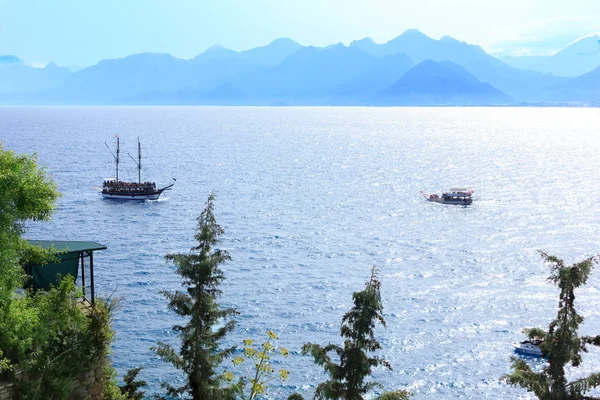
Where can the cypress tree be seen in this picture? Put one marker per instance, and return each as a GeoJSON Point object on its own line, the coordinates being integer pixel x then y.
{"type": "Point", "coordinates": [561, 345]}
{"type": "Point", "coordinates": [347, 379]}
{"type": "Point", "coordinates": [208, 323]}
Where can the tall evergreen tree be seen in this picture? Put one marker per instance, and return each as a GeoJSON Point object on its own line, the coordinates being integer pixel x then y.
{"type": "Point", "coordinates": [561, 345]}
{"type": "Point", "coordinates": [347, 379]}
{"type": "Point", "coordinates": [208, 323]}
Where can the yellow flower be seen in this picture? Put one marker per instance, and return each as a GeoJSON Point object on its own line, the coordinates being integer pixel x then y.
{"type": "Point", "coordinates": [266, 367]}
{"type": "Point", "coordinates": [238, 360]}
{"type": "Point", "coordinates": [268, 347]}
{"type": "Point", "coordinates": [259, 388]}
{"type": "Point", "coordinates": [248, 342]}
{"type": "Point", "coordinates": [272, 335]}
{"type": "Point", "coordinates": [228, 376]}
{"type": "Point", "coordinates": [284, 351]}
{"type": "Point", "coordinates": [284, 374]}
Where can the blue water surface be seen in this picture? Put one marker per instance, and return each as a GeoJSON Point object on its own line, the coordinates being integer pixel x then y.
{"type": "Point", "coordinates": [311, 198]}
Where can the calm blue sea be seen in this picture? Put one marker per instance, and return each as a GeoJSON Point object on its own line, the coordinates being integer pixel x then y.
{"type": "Point", "coordinates": [310, 199]}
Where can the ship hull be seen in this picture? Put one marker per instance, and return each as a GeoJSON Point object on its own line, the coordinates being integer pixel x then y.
{"type": "Point", "coordinates": [459, 202]}
{"type": "Point", "coordinates": [132, 196]}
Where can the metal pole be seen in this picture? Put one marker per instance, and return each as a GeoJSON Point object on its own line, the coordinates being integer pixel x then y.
{"type": "Point", "coordinates": [91, 253]}
{"type": "Point", "coordinates": [82, 274]}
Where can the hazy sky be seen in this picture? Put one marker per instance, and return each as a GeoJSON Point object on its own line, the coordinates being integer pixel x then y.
{"type": "Point", "coordinates": [81, 32]}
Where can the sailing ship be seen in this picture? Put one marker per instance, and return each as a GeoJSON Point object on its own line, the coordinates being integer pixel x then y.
{"type": "Point", "coordinates": [115, 189]}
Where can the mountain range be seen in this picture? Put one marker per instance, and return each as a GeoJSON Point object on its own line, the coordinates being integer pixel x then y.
{"type": "Point", "coordinates": [411, 69]}
{"type": "Point", "coordinates": [576, 59]}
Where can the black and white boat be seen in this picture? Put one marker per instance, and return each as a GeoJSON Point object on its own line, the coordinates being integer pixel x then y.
{"type": "Point", "coordinates": [115, 189]}
{"type": "Point", "coordinates": [530, 347]}
{"type": "Point", "coordinates": [456, 195]}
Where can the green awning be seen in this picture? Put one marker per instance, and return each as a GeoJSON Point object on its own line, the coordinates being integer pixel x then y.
{"type": "Point", "coordinates": [44, 276]}
{"type": "Point", "coordinates": [69, 246]}
{"type": "Point", "coordinates": [67, 263]}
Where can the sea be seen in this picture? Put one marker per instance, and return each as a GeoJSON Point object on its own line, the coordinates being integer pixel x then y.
{"type": "Point", "coordinates": [311, 198]}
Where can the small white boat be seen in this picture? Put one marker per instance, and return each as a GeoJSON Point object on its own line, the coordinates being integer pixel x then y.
{"type": "Point", "coordinates": [456, 195]}
{"type": "Point", "coordinates": [530, 347]}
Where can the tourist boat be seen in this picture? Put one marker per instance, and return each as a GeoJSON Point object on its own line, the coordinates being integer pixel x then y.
{"type": "Point", "coordinates": [530, 347]}
{"type": "Point", "coordinates": [456, 195]}
{"type": "Point", "coordinates": [115, 189]}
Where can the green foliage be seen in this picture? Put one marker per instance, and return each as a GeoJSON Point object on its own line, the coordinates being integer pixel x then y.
{"type": "Point", "coordinates": [112, 390]}
{"type": "Point", "coordinates": [63, 341]}
{"type": "Point", "coordinates": [347, 379]}
{"type": "Point", "coordinates": [4, 364]}
{"type": "Point", "coordinates": [46, 337]}
{"type": "Point", "coordinates": [561, 345]}
{"type": "Point", "coordinates": [132, 386]}
{"type": "Point", "coordinates": [27, 194]}
{"type": "Point", "coordinates": [395, 395]}
{"type": "Point", "coordinates": [262, 369]}
{"type": "Point", "coordinates": [208, 323]}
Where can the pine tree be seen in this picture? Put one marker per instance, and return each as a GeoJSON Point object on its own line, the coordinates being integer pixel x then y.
{"type": "Point", "coordinates": [347, 379]}
{"type": "Point", "coordinates": [200, 354]}
{"type": "Point", "coordinates": [561, 345]}
{"type": "Point", "coordinates": [131, 388]}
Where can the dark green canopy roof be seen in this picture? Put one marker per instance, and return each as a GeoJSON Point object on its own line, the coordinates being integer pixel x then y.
{"type": "Point", "coordinates": [68, 262]}
{"type": "Point", "coordinates": [69, 246]}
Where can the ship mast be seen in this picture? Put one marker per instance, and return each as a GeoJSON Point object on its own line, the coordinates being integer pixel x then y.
{"type": "Point", "coordinates": [115, 157]}
{"type": "Point", "coordinates": [139, 161]}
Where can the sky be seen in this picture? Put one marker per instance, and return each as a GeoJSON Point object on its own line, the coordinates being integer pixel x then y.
{"type": "Point", "coordinates": [82, 32]}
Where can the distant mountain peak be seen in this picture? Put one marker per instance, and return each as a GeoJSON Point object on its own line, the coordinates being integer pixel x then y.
{"type": "Point", "coordinates": [273, 53]}
{"type": "Point", "coordinates": [414, 33]}
{"type": "Point", "coordinates": [410, 36]}
{"type": "Point", "coordinates": [584, 46]}
{"type": "Point", "coordinates": [284, 41]}
{"type": "Point", "coordinates": [215, 52]}
{"type": "Point", "coordinates": [447, 38]}
{"type": "Point", "coordinates": [366, 40]}
{"type": "Point", "coordinates": [10, 60]}
{"type": "Point", "coordinates": [216, 48]}
{"type": "Point", "coordinates": [587, 37]}
{"type": "Point", "coordinates": [443, 82]}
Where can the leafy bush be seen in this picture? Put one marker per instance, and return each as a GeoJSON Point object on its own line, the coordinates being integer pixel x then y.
{"type": "Point", "coordinates": [45, 337]}
{"type": "Point", "coordinates": [64, 341]}
{"type": "Point", "coordinates": [28, 194]}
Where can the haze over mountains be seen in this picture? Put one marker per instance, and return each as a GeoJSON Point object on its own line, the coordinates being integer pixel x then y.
{"type": "Point", "coordinates": [576, 59]}
{"type": "Point", "coordinates": [411, 69]}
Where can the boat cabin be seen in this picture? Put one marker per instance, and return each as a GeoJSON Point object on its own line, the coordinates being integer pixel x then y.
{"type": "Point", "coordinates": [74, 258]}
{"type": "Point", "coordinates": [461, 190]}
